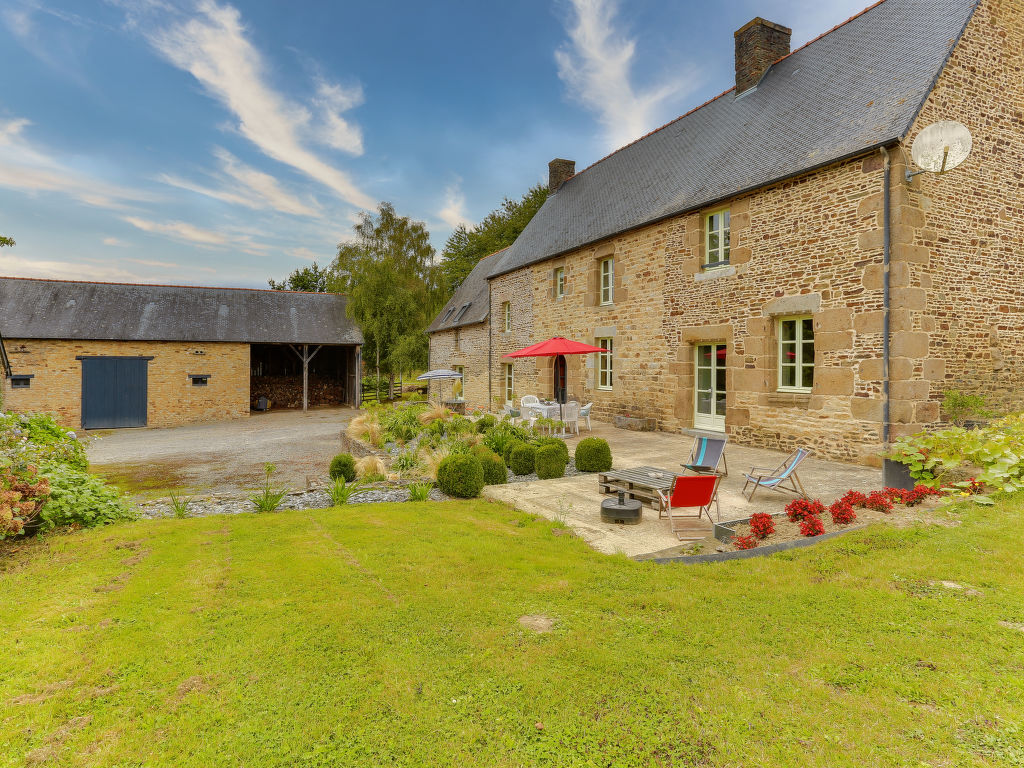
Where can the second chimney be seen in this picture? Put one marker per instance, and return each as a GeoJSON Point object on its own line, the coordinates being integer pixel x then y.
{"type": "Point", "coordinates": [759, 44]}
{"type": "Point", "coordinates": [559, 171]}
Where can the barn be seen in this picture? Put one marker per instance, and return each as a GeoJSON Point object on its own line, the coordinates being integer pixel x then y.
{"type": "Point", "coordinates": [110, 355]}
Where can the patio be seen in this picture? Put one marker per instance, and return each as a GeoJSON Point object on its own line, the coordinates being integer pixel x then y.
{"type": "Point", "coordinates": [576, 501]}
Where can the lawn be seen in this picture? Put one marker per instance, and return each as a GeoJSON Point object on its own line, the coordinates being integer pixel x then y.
{"type": "Point", "coordinates": [390, 635]}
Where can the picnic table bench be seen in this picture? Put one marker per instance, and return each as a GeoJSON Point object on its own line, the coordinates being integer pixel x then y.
{"type": "Point", "coordinates": [640, 483]}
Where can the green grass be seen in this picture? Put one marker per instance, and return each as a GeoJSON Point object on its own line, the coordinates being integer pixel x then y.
{"type": "Point", "coordinates": [389, 635]}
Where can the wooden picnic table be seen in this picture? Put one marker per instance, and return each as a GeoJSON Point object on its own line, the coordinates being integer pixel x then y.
{"type": "Point", "coordinates": [640, 483]}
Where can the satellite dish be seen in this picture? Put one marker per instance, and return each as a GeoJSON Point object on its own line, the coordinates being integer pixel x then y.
{"type": "Point", "coordinates": [941, 147]}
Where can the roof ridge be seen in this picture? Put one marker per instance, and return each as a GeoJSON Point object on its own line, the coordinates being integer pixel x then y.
{"type": "Point", "coordinates": [728, 90]}
{"type": "Point", "coordinates": [163, 285]}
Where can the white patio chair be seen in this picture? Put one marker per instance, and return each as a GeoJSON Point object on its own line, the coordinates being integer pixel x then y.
{"type": "Point", "coordinates": [571, 416]}
{"type": "Point", "coordinates": [585, 415]}
{"type": "Point", "coordinates": [529, 400]}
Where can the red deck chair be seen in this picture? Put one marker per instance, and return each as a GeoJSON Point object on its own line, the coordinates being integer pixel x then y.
{"type": "Point", "coordinates": [688, 492]}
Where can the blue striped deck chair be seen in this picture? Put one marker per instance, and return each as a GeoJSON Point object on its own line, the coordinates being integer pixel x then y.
{"type": "Point", "coordinates": [782, 479]}
{"type": "Point", "coordinates": [707, 454]}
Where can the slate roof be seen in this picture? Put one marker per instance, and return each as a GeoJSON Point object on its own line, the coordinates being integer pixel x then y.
{"type": "Point", "coordinates": [855, 88]}
{"type": "Point", "coordinates": [60, 309]}
{"type": "Point", "coordinates": [471, 303]}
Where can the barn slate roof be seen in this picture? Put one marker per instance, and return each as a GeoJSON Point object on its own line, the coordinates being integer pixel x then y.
{"type": "Point", "coordinates": [855, 88]}
{"type": "Point", "coordinates": [471, 295]}
{"type": "Point", "coordinates": [62, 309]}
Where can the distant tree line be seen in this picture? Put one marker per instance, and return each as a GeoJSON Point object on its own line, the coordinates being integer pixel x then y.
{"type": "Point", "coordinates": [395, 282]}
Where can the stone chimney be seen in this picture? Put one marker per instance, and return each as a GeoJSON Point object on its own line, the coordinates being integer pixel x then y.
{"type": "Point", "coordinates": [759, 44]}
{"type": "Point", "coordinates": [559, 171]}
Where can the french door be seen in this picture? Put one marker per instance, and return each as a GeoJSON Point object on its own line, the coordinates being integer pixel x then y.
{"type": "Point", "coordinates": [709, 410]}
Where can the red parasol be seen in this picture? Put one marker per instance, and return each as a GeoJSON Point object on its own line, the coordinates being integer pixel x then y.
{"type": "Point", "coordinates": [556, 346]}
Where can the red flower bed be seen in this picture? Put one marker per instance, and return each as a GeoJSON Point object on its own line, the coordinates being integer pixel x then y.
{"type": "Point", "coordinates": [855, 499]}
{"type": "Point", "coordinates": [762, 525]}
{"type": "Point", "coordinates": [842, 512]}
{"type": "Point", "coordinates": [744, 542]}
{"type": "Point", "coordinates": [801, 509]}
{"type": "Point", "coordinates": [812, 526]}
{"type": "Point", "coordinates": [879, 501]}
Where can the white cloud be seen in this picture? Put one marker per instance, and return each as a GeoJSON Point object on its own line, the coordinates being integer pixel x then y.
{"type": "Point", "coordinates": [241, 184]}
{"type": "Point", "coordinates": [335, 131]}
{"type": "Point", "coordinates": [21, 266]}
{"type": "Point", "coordinates": [596, 65]}
{"type": "Point", "coordinates": [184, 232]}
{"type": "Point", "coordinates": [114, 241]}
{"type": "Point", "coordinates": [29, 168]}
{"type": "Point", "coordinates": [304, 253]}
{"type": "Point", "coordinates": [212, 46]}
{"type": "Point", "coordinates": [453, 212]}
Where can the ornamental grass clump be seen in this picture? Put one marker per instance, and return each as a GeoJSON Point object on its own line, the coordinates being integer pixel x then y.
{"type": "Point", "coordinates": [370, 467]}
{"type": "Point", "coordinates": [461, 475]}
{"type": "Point", "coordinates": [269, 498]}
{"type": "Point", "coordinates": [593, 455]}
{"type": "Point", "coordinates": [420, 491]}
{"type": "Point", "coordinates": [762, 525]}
{"type": "Point", "coordinates": [341, 491]}
{"type": "Point", "coordinates": [801, 509]}
{"type": "Point", "coordinates": [550, 462]}
{"type": "Point", "coordinates": [811, 526]}
{"type": "Point", "coordinates": [343, 465]}
{"type": "Point", "coordinates": [522, 460]}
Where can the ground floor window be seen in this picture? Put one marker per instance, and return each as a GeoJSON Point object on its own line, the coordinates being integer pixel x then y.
{"type": "Point", "coordinates": [459, 386]}
{"type": "Point", "coordinates": [796, 354]}
{"type": "Point", "coordinates": [604, 363]}
{"type": "Point", "coordinates": [509, 382]}
{"type": "Point", "coordinates": [709, 411]}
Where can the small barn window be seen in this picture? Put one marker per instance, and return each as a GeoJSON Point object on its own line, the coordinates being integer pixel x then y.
{"type": "Point", "coordinates": [21, 381]}
{"type": "Point", "coordinates": [199, 379]}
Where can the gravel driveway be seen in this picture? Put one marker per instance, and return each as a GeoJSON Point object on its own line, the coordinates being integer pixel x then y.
{"type": "Point", "coordinates": [223, 457]}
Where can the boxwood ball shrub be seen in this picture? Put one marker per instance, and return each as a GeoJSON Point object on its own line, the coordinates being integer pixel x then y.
{"type": "Point", "coordinates": [593, 455]}
{"type": "Point", "coordinates": [485, 422]}
{"type": "Point", "coordinates": [495, 471]}
{"type": "Point", "coordinates": [461, 475]}
{"type": "Point", "coordinates": [343, 465]}
{"type": "Point", "coordinates": [550, 462]}
{"type": "Point", "coordinates": [557, 442]}
{"type": "Point", "coordinates": [523, 459]}
{"type": "Point", "coordinates": [510, 446]}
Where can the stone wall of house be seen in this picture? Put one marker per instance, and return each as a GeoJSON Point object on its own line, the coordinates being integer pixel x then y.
{"type": "Point", "coordinates": [964, 246]}
{"type": "Point", "coordinates": [57, 384]}
{"type": "Point", "coordinates": [517, 289]}
{"type": "Point", "coordinates": [465, 346]}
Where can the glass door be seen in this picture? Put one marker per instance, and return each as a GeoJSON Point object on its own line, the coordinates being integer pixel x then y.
{"type": "Point", "coordinates": [710, 387]}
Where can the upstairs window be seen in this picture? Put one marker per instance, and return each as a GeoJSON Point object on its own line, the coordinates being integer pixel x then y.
{"type": "Point", "coordinates": [607, 281]}
{"type": "Point", "coordinates": [716, 250]}
{"type": "Point", "coordinates": [506, 313]}
{"type": "Point", "coordinates": [796, 354]}
{"type": "Point", "coordinates": [559, 282]}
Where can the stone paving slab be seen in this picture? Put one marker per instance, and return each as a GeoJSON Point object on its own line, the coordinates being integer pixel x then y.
{"type": "Point", "coordinates": [576, 501]}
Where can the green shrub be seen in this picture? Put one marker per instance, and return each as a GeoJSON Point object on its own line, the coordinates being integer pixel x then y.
{"type": "Point", "coordinates": [437, 427]}
{"type": "Point", "coordinates": [269, 498]}
{"type": "Point", "coordinates": [460, 425]}
{"type": "Point", "coordinates": [501, 434]}
{"type": "Point", "coordinates": [593, 455]}
{"type": "Point", "coordinates": [485, 422]}
{"type": "Point", "coordinates": [343, 465]}
{"type": "Point", "coordinates": [522, 459]}
{"type": "Point", "coordinates": [461, 475]}
{"type": "Point", "coordinates": [78, 498]}
{"type": "Point", "coordinates": [558, 442]}
{"type": "Point", "coordinates": [420, 491]}
{"type": "Point", "coordinates": [550, 461]}
{"type": "Point", "coordinates": [510, 446]}
{"type": "Point", "coordinates": [495, 471]}
{"type": "Point", "coordinates": [960, 408]}
{"type": "Point", "coordinates": [39, 439]}
{"type": "Point", "coordinates": [341, 491]}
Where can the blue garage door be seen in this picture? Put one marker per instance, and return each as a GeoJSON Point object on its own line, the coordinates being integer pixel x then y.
{"type": "Point", "coordinates": [114, 392]}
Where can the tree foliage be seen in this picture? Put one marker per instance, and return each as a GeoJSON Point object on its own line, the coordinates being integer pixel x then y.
{"type": "Point", "coordinates": [498, 230]}
{"type": "Point", "coordinates": [391, 282]}
{"type": "Point", "coordinates": [6, 241]}
{"type": "Point", "coordinates": [312, 278]}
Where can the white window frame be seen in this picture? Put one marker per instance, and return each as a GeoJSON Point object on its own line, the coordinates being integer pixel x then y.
{"type": "Point", "coordinates": [506, 311]}
{"type": "Point", "coordinates": [509, 382]}
{"type": "Point", "coordinates": [605, 363]}
{"type": "Point", "coordinates": [559, 282]}
{"type": "Point", "coordinates": [607, 280]}
{"type": "Point", "coordinates": [461, 383]}
{"type": "Point", "coordinates": [724, 245]}
{"type": "Point", "coordinates": [798, 345]}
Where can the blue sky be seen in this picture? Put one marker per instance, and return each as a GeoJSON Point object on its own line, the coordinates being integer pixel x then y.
{"type": "Point", "coordinates": [223, 143]}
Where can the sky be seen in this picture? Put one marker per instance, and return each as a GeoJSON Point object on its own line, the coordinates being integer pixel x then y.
{"type": "Point", "coordinates": [223, 143]}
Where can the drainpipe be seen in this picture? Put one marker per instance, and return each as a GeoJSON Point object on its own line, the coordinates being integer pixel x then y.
{"type": "Point", "coordinates": [886, 255]}
{"type": "Point", "coordinates": [490, 329]}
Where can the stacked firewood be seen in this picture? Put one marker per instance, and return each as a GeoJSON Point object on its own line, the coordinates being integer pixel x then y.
{"type": "Point", "coordinates": [286, 391]}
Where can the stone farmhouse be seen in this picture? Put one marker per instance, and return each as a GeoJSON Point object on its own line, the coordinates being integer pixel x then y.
{"type": "Point", "coordinates": [763, 265]}
{"type": "Point", "coordinates": [103, 355]}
